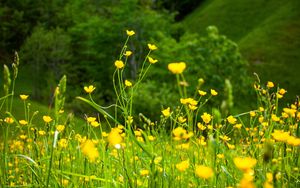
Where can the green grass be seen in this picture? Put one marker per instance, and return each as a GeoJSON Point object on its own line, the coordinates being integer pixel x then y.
{"type": "Point", "coordinates": [267, 32]}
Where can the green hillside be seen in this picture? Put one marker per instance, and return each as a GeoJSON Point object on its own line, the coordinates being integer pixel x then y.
{"type": "Point", "coordinates": [268, 34]}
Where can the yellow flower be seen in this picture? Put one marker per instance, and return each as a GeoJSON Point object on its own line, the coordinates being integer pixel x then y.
{"type": "Point", "coordinates": [282, 91]}
{"type": "Point", "coordinates": [114, 138]}
{"type": "Point", "coordinates": [24, 97]}
{"type": "Point", "coordinates": [89, 150]}
{"type": "Point", "coordinates": [42, 133]}
{"type": "Point", "coordinates": [238, 126]}
{"type": "Point", "coordinates": [231, 119]}
{"type": "Point", "coordinates": [128, 83]}
{"type": "Point", "coordinates": [201, 126]}
{"type": "Point", "coordinates": [151, 138]}
{"type": "Point", "coordinates": [204, 172]}
{"type": "Point", "coordinates": [213, 92]}
{"type": "Point", "coordinates": [9, 120]}
{"type": "Point", "coordinates": [183, 165]}
{"type": "Point", "coordinates": [89, 89]}
{"type": "Point", "coordinates": [166, 112]}
{"type": "Point", "coordinates": [23, 122]}
{"type": "Point", "coordinates": [220, 155]}
{"type": "Point", "coordinates": [181, 119]}
{"type": "Point", "coordinates": [60, 128]}
{"type": "Point", "coordinates": [128, 53]}
{"type": "Point", "coordinates": [63, 143]}
{"type": "Point", "coordinates": [252, 113]}
{"type": "Point", "coordinates": [119, 64]}
{"type": "Point", "coordinates": [151, 60]}
{"type": "Point", "coordinates": [177, 68]}
{"type": "Point", "coordinates": [206, 117]}
{"type": "Point", "coordinates": [244, 164]}
{"type": "Point", "coordinates": [270, 84]}
{"type": "Point", "coordinates": [201, 93]}
{"type": "Point", "coordinates": [90, 119]}
{"type": "Point", "coordinates": [152, 47]}
{"type": "Point", "coordinates": [95, 124]}
{"type": "Point", "coordinates": [225, 138]}
{"type": "Point", "coordinates": [293, 141]}
{"type": "Point", "coordinates": [157, 160]}
{"type": "Point", "coordinates": [192, 107]}
{"type": "Point", "coordinates": [144, 172]}
{"type": "Point", "coordinates": [280, 135]}
{"type": "Point", "coordinates": [130, 32]}
{"type": "Point", "coordinates": [47, 119]}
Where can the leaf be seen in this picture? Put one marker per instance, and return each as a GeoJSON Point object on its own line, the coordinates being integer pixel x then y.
{"type": "Point", "coordinates": [98, 108]}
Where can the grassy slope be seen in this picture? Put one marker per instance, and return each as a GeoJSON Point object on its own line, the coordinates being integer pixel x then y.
{"type": "Point", "coordinates": [267, 31]}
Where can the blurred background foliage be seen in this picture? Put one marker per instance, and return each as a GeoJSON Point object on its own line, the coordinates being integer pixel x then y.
{"type": "Point", "coordinates": [82, 39]}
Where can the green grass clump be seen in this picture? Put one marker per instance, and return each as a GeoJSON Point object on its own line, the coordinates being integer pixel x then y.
{"type": "Point", "coordinates": [185, 146]}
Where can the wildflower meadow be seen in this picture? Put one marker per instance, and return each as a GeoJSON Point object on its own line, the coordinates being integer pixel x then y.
{"type": "Point", "coordinates": [190, 145]}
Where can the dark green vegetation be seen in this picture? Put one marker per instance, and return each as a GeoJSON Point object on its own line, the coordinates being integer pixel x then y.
{"type": "Point", "coordinates": [267, 32]}
{"type": "Point", "coordinates": [82, 39]}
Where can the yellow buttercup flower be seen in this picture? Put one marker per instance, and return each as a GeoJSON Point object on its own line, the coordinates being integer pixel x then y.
{"type": "Point", "coordinates": [177, 68]}
{"type": "Point", "coordinates": [181, 119]}
{"type": "Point", "coordinates": [144, 172]}
{"type": "Point", "coordinates": [130, 32]}
{"type": "Point", "coordinates": [201, 93]}
{"type": "Point", "coordinates": [206, 117]}
{"type": "Point", "coordinates": [204, 172]}
{"type": "Point", "coordinates": [166, 112]}
{"type": "Point", "coordinates": [95, 124]}
{"type": "Point", "coordinates": [128, 53]}
{"type": "Point", "coordinates": [128, 83]}
{"type": "Point", "coordinates": [90, 119]}
{"type": "Point", "coordinates": [23, 122]}
{"type": "Point", "coordinates": [89, 149]}
{"type": "Point", "coordinates": [24, 97]}
{"type": "Point", "coordinates": [183, 165]}
{"type": "Point", "coordinates": [152, 47]}
{"type": "Point", "coordinates": [244, 164]}
{"type": "Point", "coordinates": [9, 120]}
{"type": "Point", "coordinates": [282, 91]}
{"type": "Point", "coordinates": [60, 128]}
{"type": "Point", "coordinates": [270, 84]}
{"type": "Point", "coordinates": [151, 60]}
{"type": "Point", "coordinates": [89, 89]}
{"type": "Point", "coordinates": [213, 92]}
{"type": "Point", "coordinates": [114, 138]}
{"type": "Point", "coordinates": [231, 119]}
{"type": "Point", "coordinates": [119, 64]}
{"type": "Point", "coordinates": [47, 119]}
{"type": "Point", "coordinates": [63, 143]}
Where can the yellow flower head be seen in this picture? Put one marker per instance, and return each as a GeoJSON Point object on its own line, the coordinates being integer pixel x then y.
{"type": "Point", "coordinates": [151, 60]}
{"type": "Point", "coordinates": [206, 117]}
{"type": "Point", "coordinates": [280, 135]}
{"type": "Point", "coordinates": [244, 164]}
{"type": "Point", "coordinates": [9, 120]}
{"type": "Point", "coordinates": [130, 32]}
{"type": "Point", "coordinates": [270, 84]}
{"type": "Point", "coordinates": [119, 64]}
{"type": "Point", "coordinates": [24, 97]}
{"type": "Point", "coordinates": [89, 89]}
{"type": "Point", "coordinates": [152, 47]}
{"type": "Point", "coordinates": [204, 172]}
{"type": "Point", "coordinates": [201, 93]}
{"type": "Point", "coordinates": [128, 83]}
{"type": "Point", "coordinates": [90, 119]}
{"type": "Point", "coordinates": [282, 91]}
{"type": "Point", "coordinates": [232, 120]}
{"type": "Point", "coordinates": [63, 143]}
{"type": "Point", "coordinates": [47, 119]}
{"type": "Point", "coordinates": [114, 138]}
{"type": "Point", "coordinates": [95, 124]}
{"type": "Point", "coordinates": [60, 128]}
{"type": "Point", "coordinates": [89, 150]}
{"type": "Point", "coordinates": [181, 119]}
{"type": "Point", "coordinates": [183, 165]}
{"type": "Point", "coordinates": [144, 172]}
{"type": "Point", "coordinates": [166, 112]}
{"type": "Point", "coordinates": [213, 92]}
{"type": "Point", "coordinates": [128, 53]}
{"type": "Point", "coordinates": [23, 122]}
{"type": "Point", "coordinates": [177, 68]}
{"type": "Point", "coordinates": [252, 113]}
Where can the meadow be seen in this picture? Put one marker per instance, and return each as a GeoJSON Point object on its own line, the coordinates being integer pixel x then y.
{"type": "Point", "coordinates": [187, 146]}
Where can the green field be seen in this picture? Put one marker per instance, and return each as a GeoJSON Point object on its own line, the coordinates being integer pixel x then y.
{"type": "Point", "coordinates": [267, 32]}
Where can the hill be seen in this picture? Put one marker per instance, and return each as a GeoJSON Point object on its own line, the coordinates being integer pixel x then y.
{"type": "Point", "coordinates": [267, 32]}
